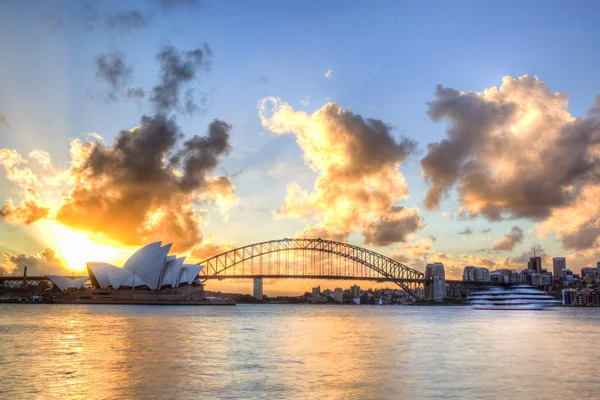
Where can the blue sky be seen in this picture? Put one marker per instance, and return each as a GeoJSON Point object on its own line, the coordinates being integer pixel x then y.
{"type": "Point", "coordinates": [386, 59]}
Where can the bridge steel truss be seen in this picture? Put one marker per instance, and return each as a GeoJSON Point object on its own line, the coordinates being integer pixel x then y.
{"type": "Point", "coordinates": [311, 259]}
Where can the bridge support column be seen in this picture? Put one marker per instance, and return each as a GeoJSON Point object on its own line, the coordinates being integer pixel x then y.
{"type": "Point", "coordinates": [258, 289]}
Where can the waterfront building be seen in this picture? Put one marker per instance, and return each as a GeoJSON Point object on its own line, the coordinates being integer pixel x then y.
{"type": "Point", "coordinates": [338, 295]}
{"type": "Point", "coordinates": [149, 267]}
{"type": "Point", "coordinates": [535, 263]}
{"type": "Point", "coordinates": [435, 282]}
{"type": "Point", "coordinates": [149, 276]}
{"type": "Point", "coordinates": [585, 271]}
{"type": "Point", "coordinates": [558, 264]}
{"type": "Point", "coordinates": [498, 277]}
{"type": "Point", "coordinates": [565, 273]}
{"type": "Point", "coordinates": [476, 274]}
{"type": "Point", "coordinates": [257, 290]}
{"type": "Point", "coordinates": [316, 291]}
{"type": "Point", "coordinates": [355, 291]}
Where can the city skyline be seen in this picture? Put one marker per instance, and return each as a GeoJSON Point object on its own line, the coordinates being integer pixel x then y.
{"type": "Point", "coordinates": [180, 122]}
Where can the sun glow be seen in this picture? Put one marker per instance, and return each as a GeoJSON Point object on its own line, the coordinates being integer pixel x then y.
{"type": "Point", "coordinates": [76, 248]}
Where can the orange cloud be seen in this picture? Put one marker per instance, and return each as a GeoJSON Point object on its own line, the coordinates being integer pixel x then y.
{"type": "Point", "coordinates": [358, 184]}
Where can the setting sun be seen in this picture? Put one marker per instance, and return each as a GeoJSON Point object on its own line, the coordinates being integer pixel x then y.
{"type": "Point", "coordinates": [76, 248]}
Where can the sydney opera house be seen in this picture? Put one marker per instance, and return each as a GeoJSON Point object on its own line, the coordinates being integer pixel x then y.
{"type": "Point", "coordinates": [149, 276]}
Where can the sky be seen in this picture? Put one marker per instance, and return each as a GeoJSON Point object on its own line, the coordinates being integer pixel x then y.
{"type": "Point", "coordinates": [462, 132]}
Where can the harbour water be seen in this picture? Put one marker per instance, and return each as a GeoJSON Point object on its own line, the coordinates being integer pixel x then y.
{"type": "Point", "coordinates": [296, 351]}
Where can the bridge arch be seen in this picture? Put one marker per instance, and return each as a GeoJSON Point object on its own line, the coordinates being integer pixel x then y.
{"type": "Point", "coordinates": [231, 264]}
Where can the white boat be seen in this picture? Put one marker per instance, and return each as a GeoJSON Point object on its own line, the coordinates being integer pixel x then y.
{"type": "Point", "coordinates": [518, 297]}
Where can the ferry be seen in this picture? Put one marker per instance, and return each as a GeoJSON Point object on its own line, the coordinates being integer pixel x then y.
{"type": "Point", "coordinates": [518, 297]}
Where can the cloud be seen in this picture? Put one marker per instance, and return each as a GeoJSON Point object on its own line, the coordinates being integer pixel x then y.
{"type": "Point", "coordinates": [417, 252]}
{"type": "Point", "coordinates": [133, 191]}
{"type": "Point", "coordinates": [171, 4]}
{"type": "Point", "coordinates": [486, 230]}
{"type": "Point", "coordinates": [176, 70]}
{"type": "Point", "coordinates": [133, 93]}
{"type": "Point", "coordinates": [524, 257]}
{"type": "Point", "coordinates": [210, 248]}
{"type": "Point", "coordinates": [121, 21]}
{"type": "Point", "coordinates": [126, 20]}
{"type": "Point", "coordinates": [511, 152]}
{"type": "Point", "coordinates": [112, 68]}
{"type": "Point", "coordinates": [393, 227]}
{"type": "Point", "coordinates": [356, 160]}
{"type": "Point", "coordinates": [17, 170]}
{"type": "Point", "coordinates": [45, 262]}
{"type": "Point", "coordinates": [329, 74]}
{"type": "Point", "coordinates": [27, 213]}
{"type": "Point", "coordinates": [141, 188]}
{"type": "Point", "coordinates": [595, 110]}
{"type": "Point", "coordinates": [4, 120]}
{"type": "Point", "coordinates": [577, 226]}
{"type": "Point", "coordinates": [466, 231]}
{"type": "Point", "coordinates": [96, 136]}
{"type": "Point", "coordinates": [509, 240]}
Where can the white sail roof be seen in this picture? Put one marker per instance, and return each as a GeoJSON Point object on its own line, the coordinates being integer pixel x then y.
{"type": "Point", "coordinates": [147, 263]}
{"type": "Point", "coordinates": [122, 277]}
{"type": "Point", "coordinates": [98, 270]}
{"type": "Point", "coordinates": [66, 282]}
{"type": "Point", "coordinates": [171, 272]}
{"type": "Point", "coordinates": [189, 272]}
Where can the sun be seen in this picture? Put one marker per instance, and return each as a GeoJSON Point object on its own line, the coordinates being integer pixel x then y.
{"type": "Point", "coordinates": [76, 248]}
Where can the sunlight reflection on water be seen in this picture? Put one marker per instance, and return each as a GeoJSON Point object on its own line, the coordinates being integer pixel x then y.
{"type": "Point", "coordinates": [285, 351]}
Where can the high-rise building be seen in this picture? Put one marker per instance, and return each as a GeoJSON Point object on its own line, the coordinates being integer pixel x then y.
{"type": "Point", "coordinates": [258, 288]}
{"type": "Point", "coordinates": [316, 291]}
{"type": "Point", "coordinates": [355, 290]}
{"type": "Point", "coordinates": [338, 295]}
{"type": "Point", "coordinates": [435, 282]}
{"type": "Point", "coordinates": [476, 274]}
{"type": "Point", "coordinates": [535, 263]}
{"type": "Point", "coordinates": [558, 264]}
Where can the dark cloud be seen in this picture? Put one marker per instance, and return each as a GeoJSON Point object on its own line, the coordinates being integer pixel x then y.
{"type": "Point", "coordinates": [199, 155]}
{"type": "Point", "coordinates": [177, 69]}
{"type": "Point", "coordinates": [393, 228]}
{"type": "Point", "coordinates": [168, 5]}
{"type": "Point", "coordinates": [511, 152]}
{"type": "Point", "coordinates": [121, 21]}
{"type": "Point", "coordinates": [583, 238]}
{"type": "Point", "coordinates": [130, 193]}
{"type": "Point", "coordinates": [4, 120]}
{"type": "Point", "coordinates": [112, 68]}
{"type": "Point", "coordinates": [509, 240]}
{"type": "Point", "coordinates": [45, 262]}
{"type": "Point", "coordinates": [486, 230]}
{"type": "Point", "coordinates": [133, 93]}
{"type": "Point", "coordinates": [28, 212]}
{"type": "Point", "coordinates": [466, 231]}
{"type": "Point", "coordinates": [126, 20]}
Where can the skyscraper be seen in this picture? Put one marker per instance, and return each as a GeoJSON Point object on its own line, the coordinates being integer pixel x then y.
{"type": "Point", "coordinates": [435, 282]}
{"type": "Point", "coordinates": [558, 264]}
{"type": "Point", "coordinates": [535, 263]}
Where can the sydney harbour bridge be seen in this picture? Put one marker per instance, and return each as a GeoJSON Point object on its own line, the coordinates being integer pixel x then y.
{"type": "Point", "coordinates": [311, 259]}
